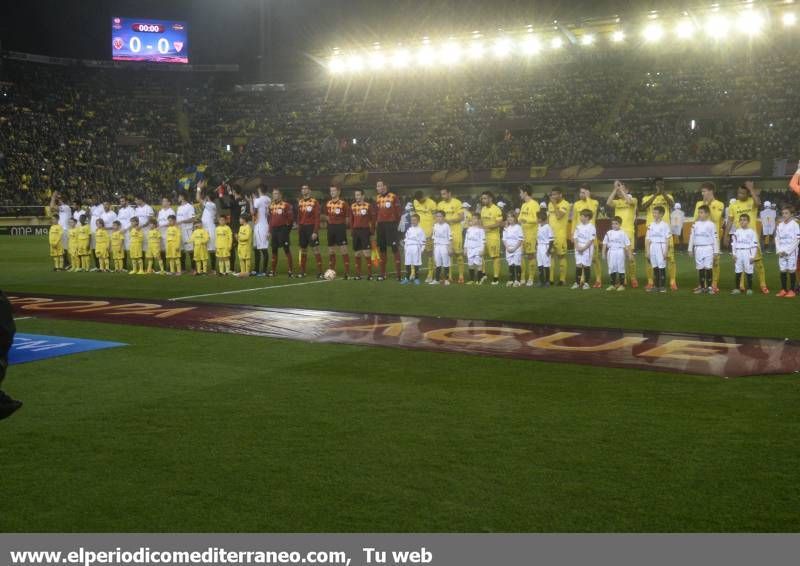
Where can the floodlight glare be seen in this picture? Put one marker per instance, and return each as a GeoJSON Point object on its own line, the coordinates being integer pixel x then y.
{"type": "Point", "coordinates": [653, 33]}
{"type": "Point", "coordinates": [501, 47]}
{"type": "Point", "coordinates": [556, 43]}
{"type": "Point", "coordinates": [789, 19]}
{"type": "Point", "coordinates": [587, 39]}
{"type": "Point", "coordinates": [475, 50]}
{"type": "Point", "coordinates": [425, 56]}
{"type": "Point", "coordinates": [618, 36]}
{"type": "Point", "coordinates": [684, 29]}
{"type": "Point", "coordinates": [530, 45]}
{"type": "Point", "coordinates": [401, 58]}
{"type": "Point", "coordinates": [377, 61]}
{"type": "Point", "coordinates": [355, 63]}
{"type": "Point", "coordinates": [717, 27]}
{"type": "Point", "coordinates": [451, 53]}
{"type": "Point", "coordinates": [750, 22]}
{"type": "Point", "coordinates": [336, 65]}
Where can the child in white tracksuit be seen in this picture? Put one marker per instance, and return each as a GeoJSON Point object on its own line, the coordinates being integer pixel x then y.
{"type": "Point", "coordinates": [656, 242]}
{"type": "Point", "coordinates": [513, 238]}
{"type": "Point", "coordinates": [413, 244]}
{"type": "Point", "coordinates": [745, 249]}
{"type": "Point", "coordinates": [787, 238]}
{"type": "Point", "coordinates": [616, 246]}
{"type": "Point", "coordinates": [442, 243]}
{"type": "Point", "coordinates": [544, 247]}
{"type": "Point", "coordinates": [704, 246]}
{"type": "Point", "coordinates": [584, 236]}
{"type": "Point", "coordinates": [474, 246]}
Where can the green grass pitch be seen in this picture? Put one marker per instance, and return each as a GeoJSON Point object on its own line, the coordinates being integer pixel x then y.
{"type": "Point", "coordinates": [191, 431]}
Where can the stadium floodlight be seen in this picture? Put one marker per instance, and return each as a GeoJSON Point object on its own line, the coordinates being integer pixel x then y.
{"type": "Point", "coordinates": [451, 53]}
{"type": "Point", "coordinates": [618, 36]}
{"type": "Point", "coordinates": [717, 27]}
{"type": "Point", "coordinates": [587, 39]}
{"type": "Point", "coordinates": [653, 33]}
{"type": "Point", "coordinates": [377, 61]}
{"type": "Point", "coordinates": [789, 19]}
{"type": "Point", "coordinates": [685, 28]}
{"type": "Point", "coordinates": [401, 58]}
{"type": "Point", "coordinates": [425, 56]}
{"type": "Point", "coordinates": [501, 47]}
{"type": "Point", "coordinates": [750, 22]}
{"type": "Point", "coordinates": [557, 42]}
{"type": "Point", "coordinates": [336, 65]}
{"type": "Point", "coordinates": [355, 63]}
{"type": "Point", "coordinates": [530, 45]}
{"type": "Point", "coordinates": [476, 49]}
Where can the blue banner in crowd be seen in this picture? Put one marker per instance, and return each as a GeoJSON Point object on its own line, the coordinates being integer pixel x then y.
{"type": "Point", "coordinates": [35, 347]}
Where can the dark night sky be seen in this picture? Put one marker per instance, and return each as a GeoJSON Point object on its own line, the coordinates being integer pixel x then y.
{"type": "Point", "coordinates": [226, 31]}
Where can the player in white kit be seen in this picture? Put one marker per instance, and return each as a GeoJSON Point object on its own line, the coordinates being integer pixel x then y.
{"type": "Point", "coordinates": [144, 212]}
{"type": "Point", "coordinates": [656, 245]}
{"type": "Point", "coordinates": [787, 238]}
{"type": "Point", "coordinates": [513, 238]}
{"type": "Point", "coordinates": [474, 246]}
{"type": "Point", "coordinates": [184, 218]}
{"type": "Point", "coordinates": [260, 206]}
{"type": "Point", "coordinates": [768, 218]}
{"type": "Point", "coordinates": [413, 245]}
{"type": "Point", "coordinates": [744, 244]}
{"type": "Point", "coordinates": [704, 246]}
{"type": "Point", "coordinates": [442, 238]}
{"type": "Point", "coordinates": [124, 215]}
{"type": "Point", "coordinates": [95, 214]}
{"type": "Point", "coordinates": [584, 236]}
{"type": "Point", "coordinates": [209, 221]}
{"type": "Point", "coordinates": [545, 245]}
{"type": "Point", "coordinates": [616, 248]}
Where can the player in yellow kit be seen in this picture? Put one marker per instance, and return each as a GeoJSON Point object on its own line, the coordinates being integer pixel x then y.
{"type": "Point", "coordinates": [54, 238]}
{"type": "Point", "coordinates": [528, 219]}
{"type": "Point", "coordinates": [425, 207]}
{"type": "Point", "coordinates": [102, 246]}
{"type": "Point", "coordinates": [72, 245]}
{"type": "Point", "coordinates": [586, 202]}
{"type": "Point", "coordinates": [154, 247]}
{"type": "Point", "coordinates": [558, 218]}
{"type": "Point", "coordinates": [625, 206]}
{"type": "Point", "coordinates": [200, 238]}
{"type": "Point", "coordinates": [666, 201]}
{"type": "Point", "coordinates": [716, 210]}
{"type": "Point", "coordinates": [136, 243]}
{"type": "Point", "coordinates": [748, 202]}
{"type": "Point", "coordinates": [118, 246]}
{"type": "Point", "coordinates": [84, 240]}
{"type": "Point", "coordinates": [224, 243]}
{"type": "Point", "coordinates": [454, 216]}
{"type": "Point", "coordinates": [492, 222]}
{"type": "Point", "coordinates": [244, 249]}
{"type": "Point", "coordinates": [173, 245]}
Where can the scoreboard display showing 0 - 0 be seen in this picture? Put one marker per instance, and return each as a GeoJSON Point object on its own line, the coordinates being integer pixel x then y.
{"type": "Point", "coordinates": [157, 41]}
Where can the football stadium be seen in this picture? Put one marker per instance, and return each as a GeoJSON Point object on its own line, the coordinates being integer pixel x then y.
{"type": "Point", "coordinates": [399, 267]}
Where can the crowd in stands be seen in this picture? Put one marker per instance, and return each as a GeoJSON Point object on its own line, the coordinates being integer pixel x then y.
{"type": "Point", "coordinates": [101, 133]}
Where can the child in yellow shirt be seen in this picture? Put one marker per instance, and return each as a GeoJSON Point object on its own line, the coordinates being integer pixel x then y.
{"type": "Point", "coordinates": [245, 248]}
{"type": "Point", "coordinates": [224, 238]}
{"type": "Point", "coordinates": [54, 236]}
{"type": "Point", "coordinates": [118, 247]}
{"type": "Point", "coordinates": [84, 239]}
{"type": "Point", "coordinates": [136, 244]}
{"type": "Point", "coordinates": [200, 241]}
{"type": "Point", "coordinates": [173, 246]}
{"type": "Point", "coordinates": [102, 245]}
{"type": "Point", "coordinates": [72, 245]}
{"type": "Point", "coordinates": [154, 247]}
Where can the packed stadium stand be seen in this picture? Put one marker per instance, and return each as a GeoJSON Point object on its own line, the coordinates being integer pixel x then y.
{"type": "Point", "coordinates": [101, 132]}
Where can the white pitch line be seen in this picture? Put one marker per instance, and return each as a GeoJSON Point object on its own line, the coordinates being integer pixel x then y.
{"type": "Point", "coordinates": [23, 318]}
{"type": "Point", "coordinates": [248, 290]}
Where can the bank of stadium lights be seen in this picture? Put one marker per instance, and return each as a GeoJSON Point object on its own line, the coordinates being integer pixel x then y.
{"type": "Point", "coordinates": [717, 27]}
{"type": "Point", "coordinates": [789, 19]}
{"type": "Point", "coordinates": [618, 36]}
{"type": "Point", "coordinates": [530, 45]}
{"type": "Point", "coordinates": [502, 47]}
{"type": "Point", "coordinates": [653, 32]}
{"type": "Point", "coordinates": [556, 43]}
{"type": "Point", "coordinates": [685, 28]}
{"type": "Point", "coordinates": [587, 39]}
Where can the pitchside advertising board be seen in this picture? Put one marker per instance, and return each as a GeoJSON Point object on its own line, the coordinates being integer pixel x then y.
{"type": "Point", "coordinates": [154, 41]}
{"type": "Point", "coordinates": [24, 231]}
